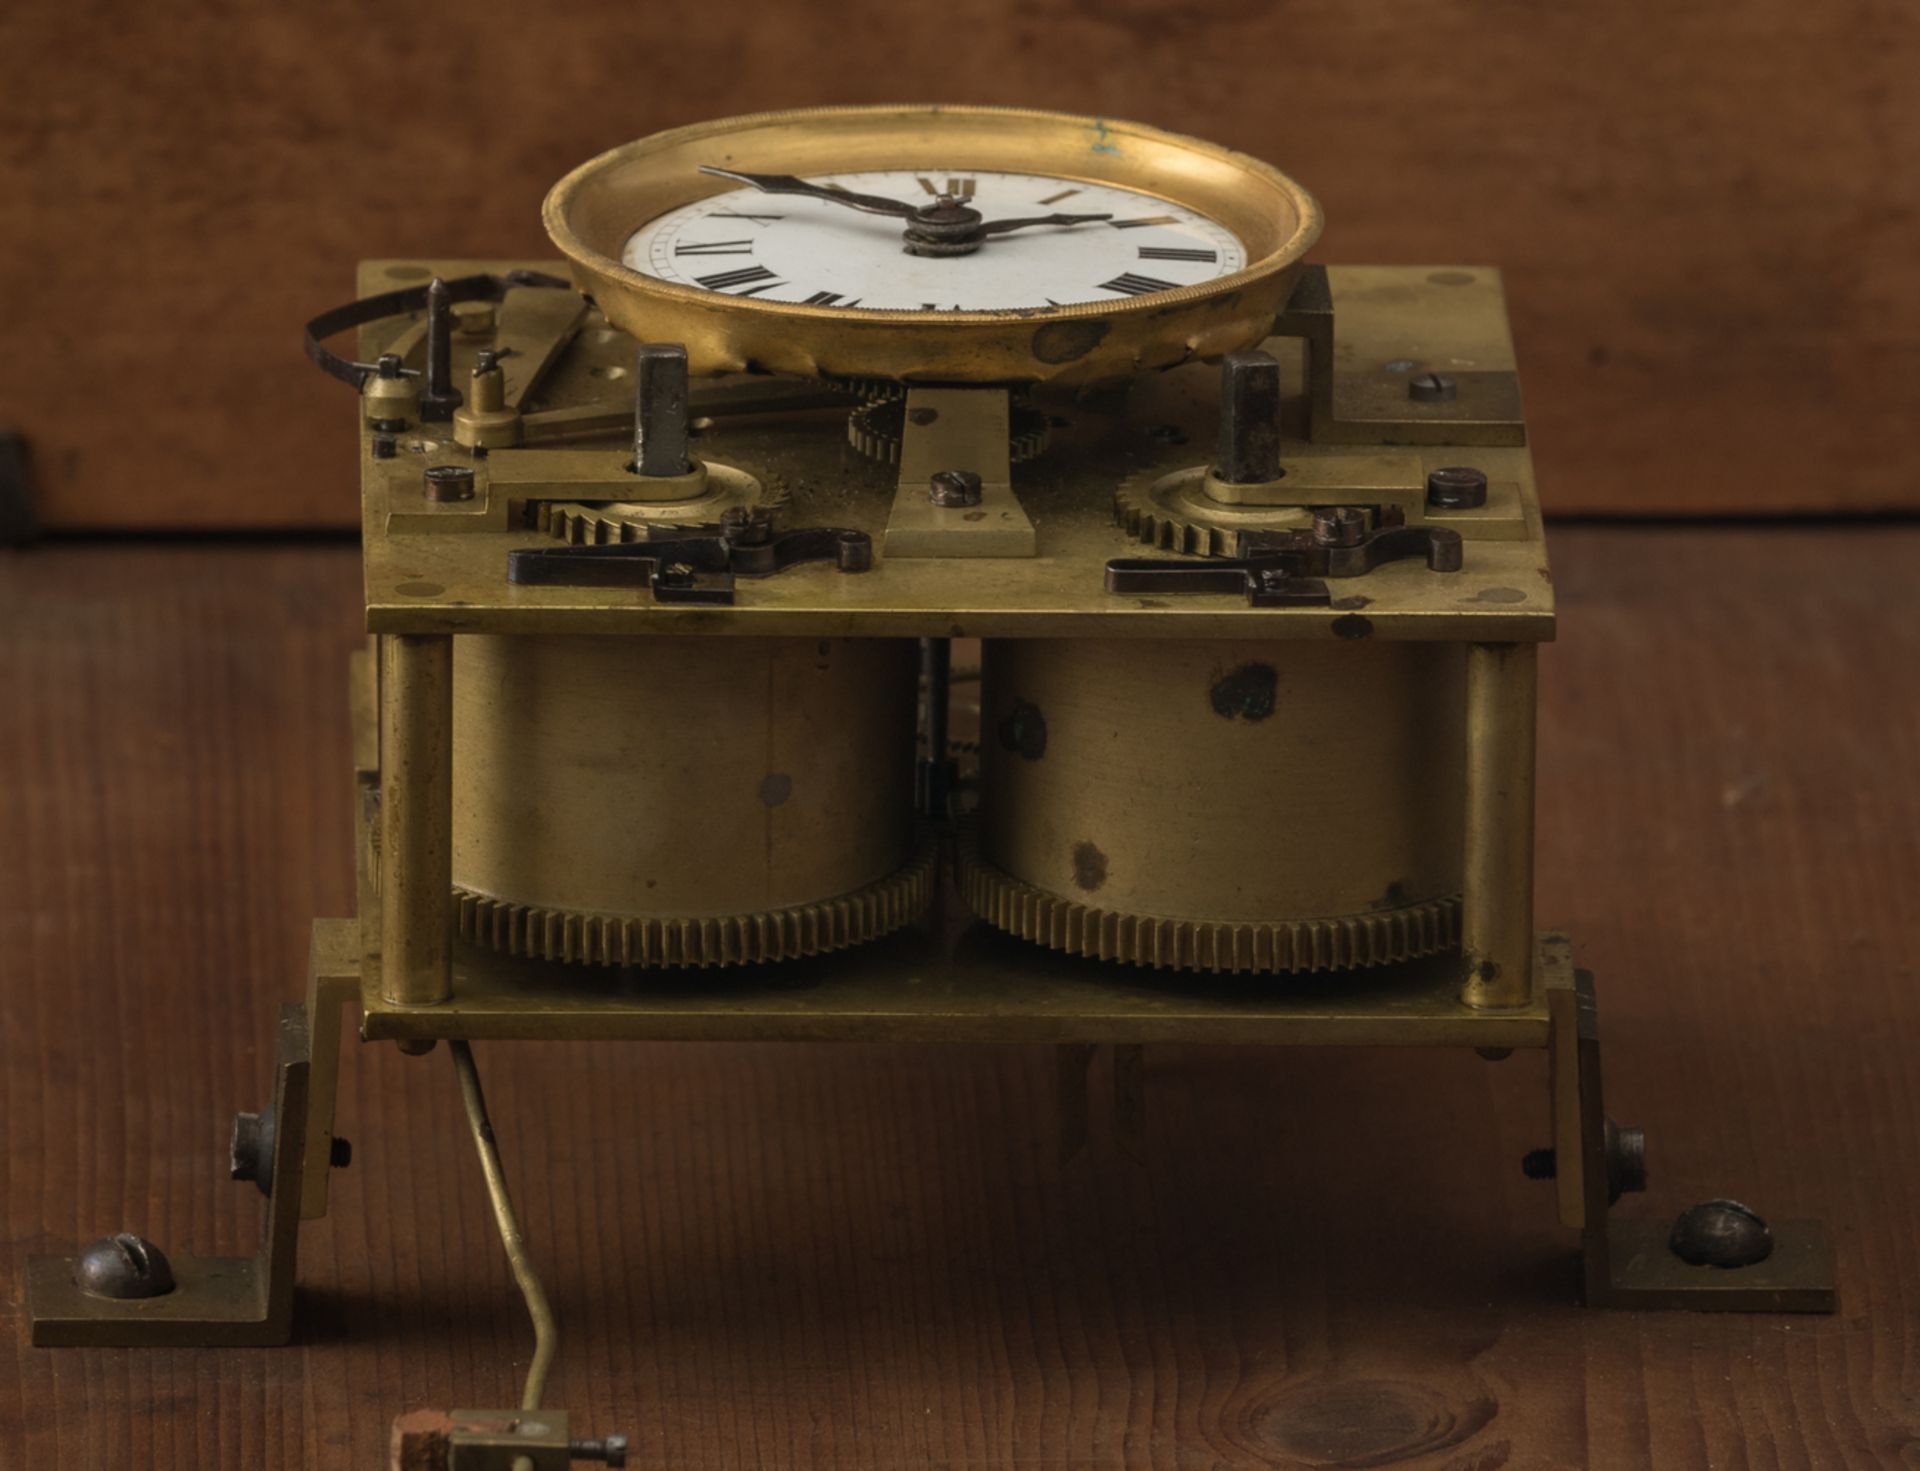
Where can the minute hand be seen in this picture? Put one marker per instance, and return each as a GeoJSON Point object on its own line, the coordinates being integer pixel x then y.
{"type": "Point", "coordinates": [792, 184]}
{"type": "Point", "coordinates": [1000, 227]}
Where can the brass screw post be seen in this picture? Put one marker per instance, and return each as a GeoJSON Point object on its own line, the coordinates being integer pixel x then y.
{"type": "Point", "coordinates": [1249, 419]}
{"type": "Point", "coordinates": [660, 409]}
{"type": "Point", "coordinates": [441, 398]}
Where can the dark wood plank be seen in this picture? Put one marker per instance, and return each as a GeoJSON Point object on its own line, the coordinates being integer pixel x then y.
{"type": "Point", "coordinates": [867, 1256]}
{"type": "Point", "coordinates": [1706, 212]}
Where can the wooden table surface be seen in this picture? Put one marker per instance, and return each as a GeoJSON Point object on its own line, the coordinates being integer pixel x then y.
{"type": "Point", "coordinates": [867, 1256]}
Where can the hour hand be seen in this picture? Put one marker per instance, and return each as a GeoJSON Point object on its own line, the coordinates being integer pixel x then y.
{"type": "Point", "coordinates": [792, 184]}
{"type": "Point", "coordinates": [1000, 227]}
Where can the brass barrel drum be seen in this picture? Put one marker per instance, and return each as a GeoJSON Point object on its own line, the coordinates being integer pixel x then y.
{"type": "Point", "coordinates": [683, 801]}
{"type": "Point", "coordinates": [1221, 806]}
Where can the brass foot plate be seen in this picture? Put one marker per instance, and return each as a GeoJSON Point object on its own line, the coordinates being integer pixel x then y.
{"type": "Point", "coordinates": [241, 1300]}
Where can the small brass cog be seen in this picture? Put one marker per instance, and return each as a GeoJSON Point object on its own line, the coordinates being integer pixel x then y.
{"type": "Point", "coordinates": [538, 932]}
{"type": "Point", "coordinates": [867, 390]}
{"type": "Point", "coordinates": [599, 523]}
{"type": "Point", "coordinates": [877, 427]}
{"type": "Point", "coordinates": [1276, 946]}
{"type": "Point", "coordinates": [1172, 511]}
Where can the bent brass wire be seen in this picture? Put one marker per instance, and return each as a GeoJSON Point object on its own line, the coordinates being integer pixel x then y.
{"type": "Point", "coordinates": [546, 1331]}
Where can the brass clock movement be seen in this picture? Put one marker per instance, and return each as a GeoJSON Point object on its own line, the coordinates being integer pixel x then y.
{"type": "Point", "coordinates": [967, 562]}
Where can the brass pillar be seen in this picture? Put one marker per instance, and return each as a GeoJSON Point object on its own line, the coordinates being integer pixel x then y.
{"type": "Point", "coordinates": [1496, 921]}
{"type": "Point", "coordinates": [416, 818]}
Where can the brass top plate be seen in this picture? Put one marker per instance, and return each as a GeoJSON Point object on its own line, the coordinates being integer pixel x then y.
{"type": "Point", "coordinates": [441, 567]}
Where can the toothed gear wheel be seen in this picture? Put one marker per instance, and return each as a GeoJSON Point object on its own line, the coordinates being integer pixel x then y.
{"type": "Point", "coordinates": [866, 390]}
{"type": "Point", "coordinates": [1277, 946]}
{"type": "Point", "coordinates": [876, 429]}
{"type": "Point", "coordinates": [536, 932]}
{"type": "Point", "coordinates": [599, 524]}
{"type": "Point", "coordinates": [1172, 511]}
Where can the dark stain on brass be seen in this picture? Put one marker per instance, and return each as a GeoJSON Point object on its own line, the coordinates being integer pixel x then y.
{"type": "Point", "coordinates": [776, 788]}
{"type": "Point", "coordinates": [1024, 731]}
{"type": "Point", "coordinates": [1497, 595]}
{"type": "Point", "coordinates": [1246, 694]}
{"type": "Point", "coordinates": [1089, 867]}
{"type": "Point", "coordinates": [1062, 342]}
{"type": "Point", "coordinates": [1352, 625]}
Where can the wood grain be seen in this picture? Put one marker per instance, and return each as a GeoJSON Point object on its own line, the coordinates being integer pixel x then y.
{"type": "Point", "coordinates": [1707, 213]}
{"type": "Point", "coordinates": [866, 1256]}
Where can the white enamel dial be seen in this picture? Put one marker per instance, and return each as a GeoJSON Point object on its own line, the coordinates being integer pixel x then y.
{"type": "Point", "coordinates": [791, 248]}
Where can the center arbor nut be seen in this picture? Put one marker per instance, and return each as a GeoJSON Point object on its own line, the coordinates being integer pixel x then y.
{"type": "Point", "coordinates": [957, 488]}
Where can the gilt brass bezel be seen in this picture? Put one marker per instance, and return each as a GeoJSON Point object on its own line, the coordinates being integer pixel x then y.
{"type": "Point", "coordinates": [594, 210]}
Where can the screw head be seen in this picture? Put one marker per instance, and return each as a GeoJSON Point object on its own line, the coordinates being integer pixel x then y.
{"type": "Point", "coordinates": [1432, 388]}
{"type": "Point", "coordinates": [1721, 1233]}
{"type": "Point", "coordinates": [1457, 488]}
{"type": "Point", "coordinates": [612, 1451]}
{"type": "Point", "coordinates": [473, 318]}
{"type": "Point", "coordinates": [1626, 1160]}
{"type": "Point", "coordinates": [250, 1148]}
{"type": "Point", "coordinates": [123, 1266]}
{"type": "Point", "coordinates": [954, 488]}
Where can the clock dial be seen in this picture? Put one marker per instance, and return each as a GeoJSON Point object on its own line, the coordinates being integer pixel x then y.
{"type": "Point", "coordinates": [812, 252]}
{"type": "Point", "coordinates": [1025, 247]}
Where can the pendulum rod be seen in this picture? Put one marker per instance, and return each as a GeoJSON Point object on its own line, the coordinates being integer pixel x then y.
{"type": "Point", "coordinates": [546, 1332]}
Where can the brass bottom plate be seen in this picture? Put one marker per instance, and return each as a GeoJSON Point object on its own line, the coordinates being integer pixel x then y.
{"type": "Point", "coordinates": [1797, 1278]}
{"type": "Point", "coordinates": [216, 1299]}
{"type": "Point", "coordinates": [949, 978]}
